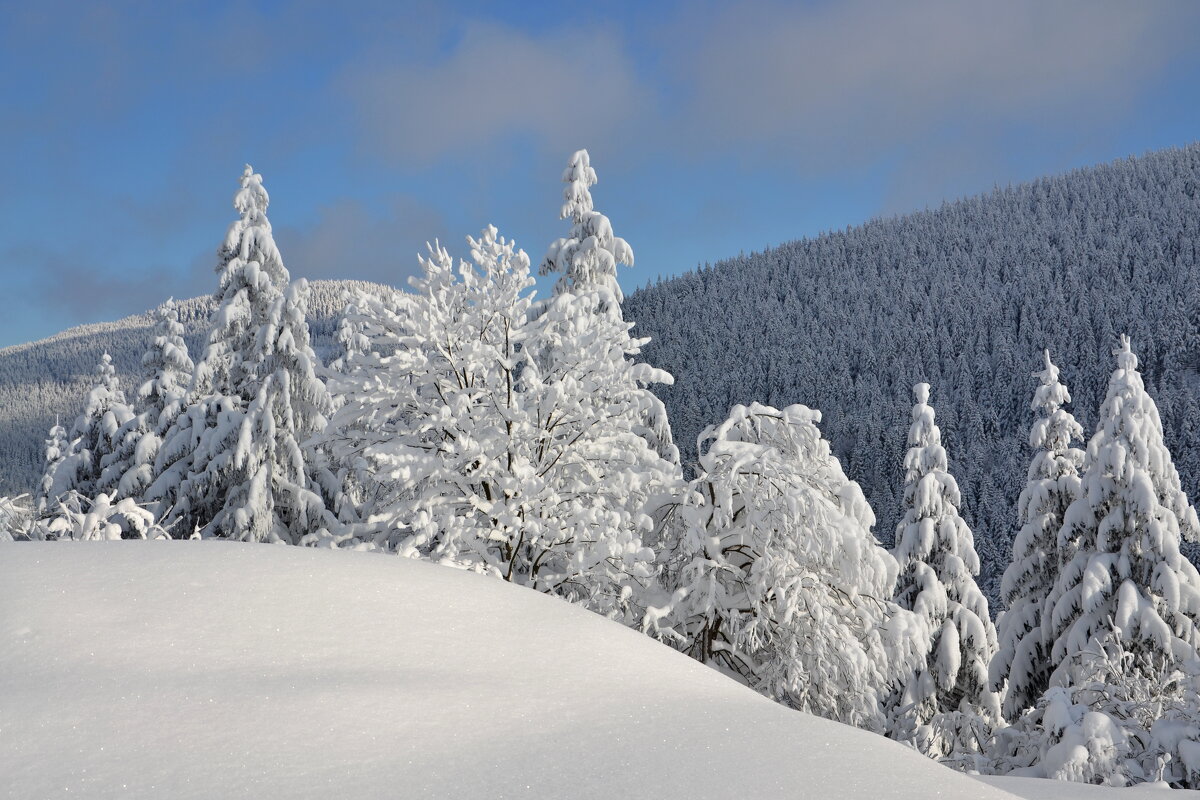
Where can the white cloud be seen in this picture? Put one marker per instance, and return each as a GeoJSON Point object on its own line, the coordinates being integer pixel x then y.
{"type": "Point", "coordinates": [564, 90]}
{"type": "Point", "coordinates": [837, 84]}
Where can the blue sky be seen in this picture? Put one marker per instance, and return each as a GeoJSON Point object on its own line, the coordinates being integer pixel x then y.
{"type": "Point", "coordinates": [714, 128]}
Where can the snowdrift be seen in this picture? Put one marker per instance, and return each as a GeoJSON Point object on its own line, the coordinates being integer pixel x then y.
{"type": "Point", "coordinates": [213, 669]}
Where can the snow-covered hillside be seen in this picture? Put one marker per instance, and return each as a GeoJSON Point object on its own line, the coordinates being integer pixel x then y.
{"type": "Point", "coordinates": [964, 297]}
{"type": "Point", "coordinates": [214, 669]}
{"type": "Point", "coordinates": [48, 379]}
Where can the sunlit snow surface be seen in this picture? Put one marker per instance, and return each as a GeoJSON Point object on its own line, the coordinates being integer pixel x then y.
{"type": "Point", "coordinates": [219, 670]}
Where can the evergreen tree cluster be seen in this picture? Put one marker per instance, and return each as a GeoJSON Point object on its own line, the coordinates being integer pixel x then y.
{"type": "Point", "coordinates": [962, 297]}
{"type": "Point", "coordinates": [470, 424]}
{"type": "Point", "coordinates": [45, 382]}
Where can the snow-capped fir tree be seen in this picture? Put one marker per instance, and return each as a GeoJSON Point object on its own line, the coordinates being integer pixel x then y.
{"type": "Point", "coordinates": [778, 580]}
{"type": "Point", "coordinates": [1021, 668]}
{"type": "Point", "coordinates": [252, 278]}
{"type": "Point", "coordinates": [167, 370]}
{"type": "Point", "coordinates": [57, 449]}
{"type": "Point", "coordinates": [486, 464]}
{"type": "Point", "coordinates": [587, 258]}
{"type": "Point", "coordinates": [195, 457]}
{"type": "Point", "coordinates": [1126, 595]}
{"type": "Point", "coordinates": [947, 708]}
{"type": "Point", "coordinates": [230, 464]}
{"type": "Point", "coordinates": [270, 495]}
{"type": "Point", "coordinates": [94, 434]}
{"type": "Point", "coordinates": [586, 263]}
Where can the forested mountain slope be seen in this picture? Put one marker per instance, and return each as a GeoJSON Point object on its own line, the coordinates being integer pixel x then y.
{"type": "Point", "coordinates": [963, 297]}
{"type": "Point", "coordinates": [50, 378]}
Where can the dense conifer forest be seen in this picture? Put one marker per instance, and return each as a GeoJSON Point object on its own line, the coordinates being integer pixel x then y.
{"type": "Point", "coordinates": [964, 297]}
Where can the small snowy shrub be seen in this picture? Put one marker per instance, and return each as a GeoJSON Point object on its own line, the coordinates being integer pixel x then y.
{"type": "Point", "coordinates": [79, 518]}
{"type": "Point", "coordinates": [1115, 727]}
{"type": "Point", "coordinates": [16, 515]}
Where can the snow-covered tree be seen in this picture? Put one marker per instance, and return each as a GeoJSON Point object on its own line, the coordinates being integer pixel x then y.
{"type": "Point", "coordinates": [54, 482]}
{"type": "Point", "coordinates": [777, 578]}
{"type": "Point", "coordinates": [586, 263]}
{"type": "Point", "coordinates": [270, 495]}
{"type": "Point", "coordinates": [16, 517]}
{"type": "Point", "coordinates": [587, 258]}
{"type": "Point", "coordinates": [252, 278]}
{"type": "Point", "coordinates": [95, 433]}
{"type": "Point", "coordinates": [610, 418]}
{"type": "Point", "coordinates": [231, 463]}
{"type": "Point", "coordinates": [947, 709]}
{"type": "Point", "coordinates": [1126, 595]}
{"type": "Point", "coordinates": [194, 462]}
{"type": "Point", "coordinates": [484, 461]}
{"type": "Point", "coordinates": [367, 374]}
{"type": "Point", "coordinates": [167, 371]}
{"type": "Point", "coordinates": [1022, 666]}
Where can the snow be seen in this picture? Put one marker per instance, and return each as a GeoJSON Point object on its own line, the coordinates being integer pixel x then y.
{"type": "Point", "coordinates": [1038, 789]}
{"type": "Point", "coordinates": [223, 669]}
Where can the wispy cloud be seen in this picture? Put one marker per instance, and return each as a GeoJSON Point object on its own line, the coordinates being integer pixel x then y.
{"type": "Point", "coordinates": [833, 84]}
{"type": "Point", "coordinates": [496, 84]}
{"type": "Point", "coordinates": [73, 286]}
{"type": "Point", "coordinates": [715, 126]}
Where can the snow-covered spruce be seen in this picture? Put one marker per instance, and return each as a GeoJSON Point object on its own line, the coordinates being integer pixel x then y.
{"type": "Point", "coordinates": [167, 372]}
{"type": "Point", "coordinates": [587, 258]}
{"type": "Point", "coordinates": [777, 578]}
{"type": "Point", "coordinates": [232, 464]}
{"type": "Point", "coordinates": [1126, 574]}
{"type": "Point", "coordinates": [1021, 668]}
{"type": "Point", "coordinates": [1123, 615]}
{"type": "Point", "coordinates": [94, 437]}
{"type": "Point", "coordinates": [168, 369]}
{"type": "Point", "coordinates": [271, 496]}
{"type": "Point", "coordinates": [586, 263]}
{"type": "Point", "coordinates": [947, 709]}
{"type": "Point", "coordinates": [54, 483]}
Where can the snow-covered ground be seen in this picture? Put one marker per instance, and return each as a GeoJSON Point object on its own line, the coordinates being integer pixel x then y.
{"type": "Point", "coordinates": [221, 670]}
